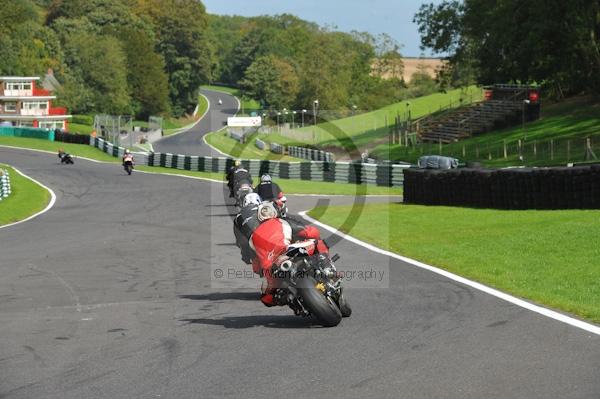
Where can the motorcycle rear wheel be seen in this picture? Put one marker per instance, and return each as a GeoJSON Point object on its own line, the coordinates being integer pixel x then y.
{"type": "Point", "coordinates": [322, 307]}
{"type": "Point", "coordinates": [345, 308]}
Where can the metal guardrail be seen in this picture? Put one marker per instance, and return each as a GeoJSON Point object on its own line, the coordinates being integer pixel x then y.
{"type": "Point", "coordinates": [335, 172]}
{"type": "Point", "coordinates": [260, 144]}
{"type": "Point", "coordinates": [310, 154]}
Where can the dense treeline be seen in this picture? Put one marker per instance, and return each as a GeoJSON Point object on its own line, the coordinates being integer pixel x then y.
{"type": "Point", "coordinates": [139, 57]}
{"type": "Point", "coordinates": [147, 57]}
{"type": "Point", "coordinates": [286, 62]}
{"type": "Point", "coordinates": [551, 42]}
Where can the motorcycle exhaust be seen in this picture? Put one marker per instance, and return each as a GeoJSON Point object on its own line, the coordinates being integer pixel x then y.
{"type": "Point", "coordinates": [286, 265]}
{"type": "Point", "coordinates": [335, 258]}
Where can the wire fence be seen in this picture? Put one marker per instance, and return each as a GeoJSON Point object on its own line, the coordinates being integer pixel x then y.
{"type": "Point", "coordinates": [515, 152]}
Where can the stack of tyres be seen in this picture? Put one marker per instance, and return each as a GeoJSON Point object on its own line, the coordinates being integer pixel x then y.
{"type": "Point", "coordinates": [595, 186]}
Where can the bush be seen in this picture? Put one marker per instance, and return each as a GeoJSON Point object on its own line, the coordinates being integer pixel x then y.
{"type": "Point", "coordinates": [83, 120]}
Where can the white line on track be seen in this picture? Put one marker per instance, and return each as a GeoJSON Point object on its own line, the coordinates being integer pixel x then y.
{"type": "Point", "coordinates": [46, 209]}
{"type": "Point", "coordinates": [478, 286]}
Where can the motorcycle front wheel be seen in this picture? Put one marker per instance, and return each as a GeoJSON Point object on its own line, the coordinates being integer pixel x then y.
{"type": "Point", "coordinates": [318, 304]}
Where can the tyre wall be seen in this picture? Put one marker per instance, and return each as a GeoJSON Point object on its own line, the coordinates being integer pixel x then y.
{"type": "Point", "coordinates": [528, 188]}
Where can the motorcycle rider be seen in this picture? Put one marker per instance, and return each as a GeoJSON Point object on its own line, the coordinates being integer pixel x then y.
{"type": "Point", "coordinates": [245, 223]}
{"type": "Point", "coordinates": [239, 177]}
{"type": "Point", "coordinates": [127, 156]}
{"type": "Point", "coordinates": [230, 176]}
{"type": "Point", "coordinates": [270, 191]}
{"type": "Point", "coordinates": [271, 240]}
{"type": "Point", "coordinates": [62, 155]}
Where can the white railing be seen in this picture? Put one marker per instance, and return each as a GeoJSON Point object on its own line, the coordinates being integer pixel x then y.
{"type": "Point", "coordinates": [18, 93]}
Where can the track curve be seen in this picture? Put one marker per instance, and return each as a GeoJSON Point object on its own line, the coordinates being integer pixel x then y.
{"type": "Point", "coordinates": [109, 295]}
{"type": "Point", "coordinates": [191, 141]}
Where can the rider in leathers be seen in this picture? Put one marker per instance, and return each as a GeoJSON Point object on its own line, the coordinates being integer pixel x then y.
{"type": "Point", "coordinates": [270, 242]}
{"type": "Point", "coordinates": [238, 177]}
{"type": "Point", "coordinates": [244, 225]}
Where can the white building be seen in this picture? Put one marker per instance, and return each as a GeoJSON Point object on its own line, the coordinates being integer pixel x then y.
{"type": "Point", "coordinates": [24, 104]}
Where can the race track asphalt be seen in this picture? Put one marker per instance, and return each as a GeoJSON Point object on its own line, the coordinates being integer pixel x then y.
{"type": "Point", "coordinates": [190, 142]}
{"type": "Point", "coordinates": [111, 294]}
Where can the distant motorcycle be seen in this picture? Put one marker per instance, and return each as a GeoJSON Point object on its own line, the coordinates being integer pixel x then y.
{"type": "Point", "coordinates": [128, 163]}
{"type": "Point", "coordinates": [220, 102]}
{"type": "Point", "coordinates": [65, 158]}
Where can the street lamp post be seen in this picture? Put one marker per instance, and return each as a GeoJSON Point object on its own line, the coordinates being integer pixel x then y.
{"type": "Point", "coordinates": [354, 109]}
{"type": "Point", "coordinates": [315, 108]}
{"type": "Point", "coordinates": [525, 102]}
{"type": "Point", "coordinates": [278, 127]}
{"type": "Point", "coordinates": [293, 115]}
{"type": "Point", "coordinates": [303, 112]}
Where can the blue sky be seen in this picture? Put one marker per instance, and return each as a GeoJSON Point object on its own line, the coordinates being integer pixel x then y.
{"type": "Point", "coordinates": [393, 17]}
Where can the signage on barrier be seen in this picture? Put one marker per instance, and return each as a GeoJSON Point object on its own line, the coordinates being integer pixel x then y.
{"type": "Point", "coordinates": [244, 121]}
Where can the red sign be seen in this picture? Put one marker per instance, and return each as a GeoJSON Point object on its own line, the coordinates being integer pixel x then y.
{"type": "Point", "coordinates": [534, 96]}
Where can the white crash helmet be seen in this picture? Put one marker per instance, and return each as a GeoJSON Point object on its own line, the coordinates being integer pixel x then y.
{"type": "Point", "coordinates": [251, 199]}
{"type": "Point", "coordinates": [265, 178]}
{"type": "Point", "coordinates": [266, 211]}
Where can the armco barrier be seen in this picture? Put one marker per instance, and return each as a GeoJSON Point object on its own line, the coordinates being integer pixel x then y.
{"type": "Point", "coordinates": [29, 132]}
{"type": "Point", "coordinates": [310, 154]}
{"type": "Point", "coordinates": [5, 189]}
{"type": "Point", "coordinates": [525, 188]}
{"type": "Point", "coordinates": [260, 144]}
{"type": "Point", "coordinates": [339, 172]}
{"type": "Point", "coordinates": [276, 148]}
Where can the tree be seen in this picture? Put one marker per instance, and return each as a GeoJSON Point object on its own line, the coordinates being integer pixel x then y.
{"type": "Point", "coordinates": [28, 48]}
{"type": "Point", "coordinates": [273, 81]}
{"type": "Point", "coordinates": [180, 27]}
{"type": "Point", "coordinates": [148, 83]}
{"type": "Point", "coordinates": [551, 42]}
{"type": "Point", "coordinates": [97, 80]}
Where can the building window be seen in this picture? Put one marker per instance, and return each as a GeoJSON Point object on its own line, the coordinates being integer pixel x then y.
{"type": "Point", "coordinates": [10, 107]}
{"type": "Point", "coordinates": [51, 125]}
{"type": "Point", "coordinates": [35, 105]}
{"type": "Point", "coordinates": [18, 86]}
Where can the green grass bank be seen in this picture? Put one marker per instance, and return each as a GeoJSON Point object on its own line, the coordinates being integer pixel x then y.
{"type": "Point", "coordinates": [27, 198]}
{"type": "Point", "coordinates": [550, 257]}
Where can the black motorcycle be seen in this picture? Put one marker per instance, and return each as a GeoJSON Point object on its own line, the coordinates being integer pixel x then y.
{"type": "Point", "coordinates": [310, 285]}
{"type": "Point", "coordinates": [242, 191]}
{"type": "Point", "coordinates": [65, 158]}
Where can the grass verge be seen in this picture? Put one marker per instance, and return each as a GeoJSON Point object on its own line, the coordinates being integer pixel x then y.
{"type": "Point", "coordinates": [27, 198]}
{"type": "Point", "coordinates": [550, 257]}
{"type": "Point", "coordinates": [290, 186]}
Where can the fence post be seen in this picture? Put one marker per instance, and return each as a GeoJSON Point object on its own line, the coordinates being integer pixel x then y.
{"type": "Point", "coordinates": [589, 152]}
{"type": "Point", "coordinates": [535, 149]}
{"type": "Point", "coordinates": [464, 153]}
{"type": "Point", "coordinates": [504, 143]}
{"type": "Point", "coordinates": [440, 146]}
{"type": "Point", "coordinates": [568, 150]}
{"type": "Point", "coordinates": [551, 149]}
